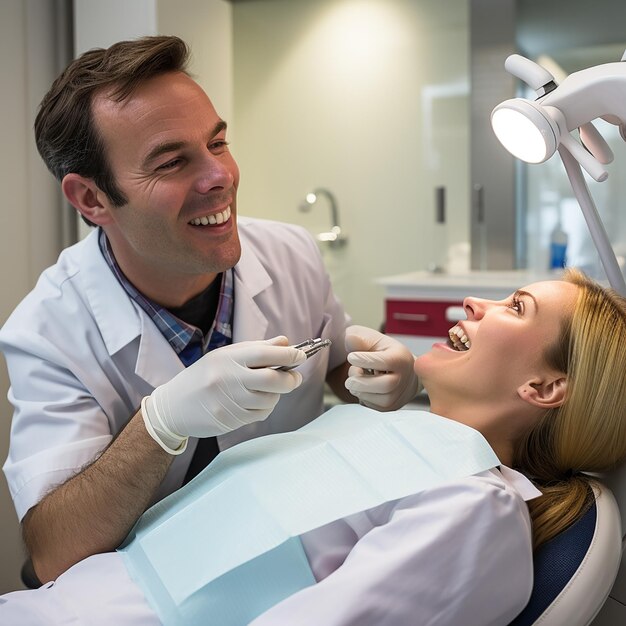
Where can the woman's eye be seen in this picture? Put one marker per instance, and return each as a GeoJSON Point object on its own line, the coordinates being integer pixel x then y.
{"type": "Point", "coordinates": [516, 304]}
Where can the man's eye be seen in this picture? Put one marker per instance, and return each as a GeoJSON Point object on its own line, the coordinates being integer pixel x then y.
{"type": "Point", "coordinates": [169, 165]}
{"type": "Point", "coordinates": [219, 145]}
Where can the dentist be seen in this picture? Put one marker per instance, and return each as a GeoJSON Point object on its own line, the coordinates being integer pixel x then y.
{"type": "Point", "coordinates": [149, 345]}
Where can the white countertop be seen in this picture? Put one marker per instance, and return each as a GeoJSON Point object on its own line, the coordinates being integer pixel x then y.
{"type": "Point", "coordinates": [441, 286]}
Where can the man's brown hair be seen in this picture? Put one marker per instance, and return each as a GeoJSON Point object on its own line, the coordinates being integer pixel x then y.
{"type": "Point", "coordinates": [66, 136]}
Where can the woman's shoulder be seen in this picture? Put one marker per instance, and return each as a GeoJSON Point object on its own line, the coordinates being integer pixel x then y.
{"type": "Point", "coordinates": [501, 487]}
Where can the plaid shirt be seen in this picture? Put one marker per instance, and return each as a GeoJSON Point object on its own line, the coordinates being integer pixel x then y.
{"type": "Point", "coordinates": [187, 341]}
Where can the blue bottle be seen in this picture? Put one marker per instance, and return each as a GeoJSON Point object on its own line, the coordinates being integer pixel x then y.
{"type": "Point", "coordinates": [558, 248]}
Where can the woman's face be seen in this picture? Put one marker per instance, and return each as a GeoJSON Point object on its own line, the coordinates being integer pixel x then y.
{"type": "Point", "coordinates": [501, 347]}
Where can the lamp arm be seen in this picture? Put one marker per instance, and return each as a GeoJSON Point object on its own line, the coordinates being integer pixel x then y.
{"type": "Point", "coordinates": [594, 223]}
{"type": "Point", "coordinates": [535, 76]}
{"type": "Point", "coordinates": [583, 96]}
{"type": "Point", "coordinates": [595, 143]}
{"type": "Point", "coordinates": [588, 161]}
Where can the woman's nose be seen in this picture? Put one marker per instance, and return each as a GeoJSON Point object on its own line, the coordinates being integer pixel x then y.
{"type": "Point", "coordinates": [475, 307]}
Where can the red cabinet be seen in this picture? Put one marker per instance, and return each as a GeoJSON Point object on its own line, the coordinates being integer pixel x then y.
{"type": "Point", "coordinates": [421, 317]}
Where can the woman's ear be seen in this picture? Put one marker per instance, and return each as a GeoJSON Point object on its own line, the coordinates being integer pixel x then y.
{"type": "Point", "coordinates": [544, 394]}
{"type": "Point", "coordinates": [85, 196]}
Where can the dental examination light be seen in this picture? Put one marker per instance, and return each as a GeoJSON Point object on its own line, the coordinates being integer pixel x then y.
{"type": "Point", "coordinates": [533, 131]}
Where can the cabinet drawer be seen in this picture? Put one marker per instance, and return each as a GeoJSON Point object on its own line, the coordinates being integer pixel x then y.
{"type": "Point", "coordinates": [421, 317]}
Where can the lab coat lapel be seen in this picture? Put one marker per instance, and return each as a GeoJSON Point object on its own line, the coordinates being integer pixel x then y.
{"type": "Point", "coordinates": [112, 310]}
{"type": "Point", "coordinates": [122, 323]}
{"type": "Point", "coordinates": [251, 279]}
{"type": "Point", "coordinates": [157, 361]}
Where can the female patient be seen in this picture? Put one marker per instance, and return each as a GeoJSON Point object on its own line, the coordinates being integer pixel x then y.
{"type": "Point", "coordinates": [541, 376]}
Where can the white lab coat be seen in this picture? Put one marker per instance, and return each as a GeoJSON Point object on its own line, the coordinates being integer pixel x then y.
{"type": "Point", "coordinates": [458, 554]}
{"type": "Point", "coordinates": [81, 354]}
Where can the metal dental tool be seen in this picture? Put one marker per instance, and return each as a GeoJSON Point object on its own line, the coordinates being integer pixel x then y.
{"type": "Point", "coordinates": [310, 347]}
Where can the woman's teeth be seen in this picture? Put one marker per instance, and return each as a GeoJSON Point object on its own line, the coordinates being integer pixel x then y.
{"type": "Point", "coordinates": [215, 218]}
{"type": "Point", "coordinates": [459, 339]}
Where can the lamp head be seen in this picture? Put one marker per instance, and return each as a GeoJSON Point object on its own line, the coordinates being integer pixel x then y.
{"type": "Point", "coordinates": [526, 130]}
{"type": "Point", "coordinates": [534, 130]}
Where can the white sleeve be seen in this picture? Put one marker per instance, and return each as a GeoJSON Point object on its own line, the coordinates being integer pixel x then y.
{"type": "Point", "coordinates": [457, 554]}
{"type": "Point", "coordinates": [58, 426]}
{"type": "Point", "coordinates": [97, 591]}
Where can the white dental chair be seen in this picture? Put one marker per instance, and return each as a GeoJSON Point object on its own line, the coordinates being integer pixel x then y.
{"type": "Point", "coordinates": [577, 582]}
{"type": "Point", "coordinates": [613, 613]}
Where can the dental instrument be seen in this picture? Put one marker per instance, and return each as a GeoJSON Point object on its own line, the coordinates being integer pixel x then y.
{"type": "Point", "coordinates": [533, 131]}
{"type": "Point", "coordinates": [309, 347]}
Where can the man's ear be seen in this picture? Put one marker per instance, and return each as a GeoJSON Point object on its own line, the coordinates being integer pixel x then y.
{"type": "Point", "coordinates": [546, 393]}
{"type": "Point", "coordinates": [87, 198]}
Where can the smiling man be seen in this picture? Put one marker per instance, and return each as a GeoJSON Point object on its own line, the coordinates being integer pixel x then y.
{"type": "Point", "coordinates": [171, 304]}
{"type": "Point", "coordinates": [167, 150]}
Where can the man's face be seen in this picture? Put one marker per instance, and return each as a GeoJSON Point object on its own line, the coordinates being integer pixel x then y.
{"type": "Point", "coordinates": [167, 150]}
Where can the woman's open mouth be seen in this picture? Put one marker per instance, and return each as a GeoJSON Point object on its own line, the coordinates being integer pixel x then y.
{"type": "Point", "coordinates": [458, 340]}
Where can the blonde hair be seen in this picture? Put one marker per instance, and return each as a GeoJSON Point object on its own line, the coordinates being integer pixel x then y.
{"type": "Point", "coordinates": [588, 432]}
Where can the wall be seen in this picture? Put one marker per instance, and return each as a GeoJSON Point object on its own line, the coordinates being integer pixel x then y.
{"type": "Point", "coordinates": [30, 222]}
{"type": "Point", "coordinates": [99, 24]}
{"type": "Point", "coordinates": [206, 25]}
{"type": "Point", "coordinates": [368, 99]}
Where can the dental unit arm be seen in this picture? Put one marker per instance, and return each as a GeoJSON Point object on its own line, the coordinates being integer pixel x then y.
{"type": "Point", "coordinates": [534, 130]}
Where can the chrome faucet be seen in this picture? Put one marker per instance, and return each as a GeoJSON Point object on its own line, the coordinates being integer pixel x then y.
{"type": "Point", "coordinates": [334, 236]}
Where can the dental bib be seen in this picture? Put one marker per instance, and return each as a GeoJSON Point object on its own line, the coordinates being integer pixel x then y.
{"type": "Point", "coordinates": [225, 547]}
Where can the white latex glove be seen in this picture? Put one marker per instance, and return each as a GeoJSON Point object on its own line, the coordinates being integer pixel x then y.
{"type": "Point", "coordinates": [393, 382]}
{"type": "Point", "coordinates": [222, 391]}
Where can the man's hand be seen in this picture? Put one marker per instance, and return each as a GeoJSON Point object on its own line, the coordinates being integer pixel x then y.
{"type": "Point", "coordinates": [382, 375]}
{"type": "Point", "coordinates": [224, 390]}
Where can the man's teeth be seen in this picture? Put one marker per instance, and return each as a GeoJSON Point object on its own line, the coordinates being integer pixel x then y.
{"type": "Point", "coordinates": [215, 218]}
{"type": "Point", "coordinates": [459, 339]}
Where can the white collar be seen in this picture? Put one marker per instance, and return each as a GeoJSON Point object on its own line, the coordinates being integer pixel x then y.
{"type": "Point", "coordinates": [519, 482]}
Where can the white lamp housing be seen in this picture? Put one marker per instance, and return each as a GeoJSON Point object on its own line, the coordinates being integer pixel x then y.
{"type": "Point", "coordinates": [533, 131]}
{"type": "Point", "coordinates": [525, 130]}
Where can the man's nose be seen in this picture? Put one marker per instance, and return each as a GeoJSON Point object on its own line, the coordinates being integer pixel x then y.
{"type": "Point", "coordinates": [216, 172]}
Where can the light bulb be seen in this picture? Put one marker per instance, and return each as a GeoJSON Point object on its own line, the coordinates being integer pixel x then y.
{"type": "Point", "coordinates": [525, 131]}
